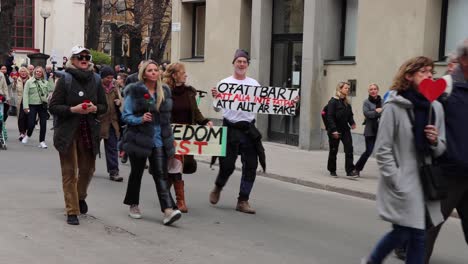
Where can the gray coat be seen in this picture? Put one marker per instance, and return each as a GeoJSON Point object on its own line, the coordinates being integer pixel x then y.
{"type": "Point", "coordinates": [368, 108]}
{"type": "Point", "coordinates": [400, 198]}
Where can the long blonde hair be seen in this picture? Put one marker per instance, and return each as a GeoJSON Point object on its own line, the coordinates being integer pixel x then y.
{"type": "Point", "coordinates": [22, 68]}
{"type": "Point", "coordinates": [172, 69]}
{"type": "Point", "coordinates": [159, 88]}
{"type": "Point", "coordinates": [338, 93]}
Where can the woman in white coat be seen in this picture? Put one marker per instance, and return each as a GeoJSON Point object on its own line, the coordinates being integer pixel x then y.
{"type": "Point", "coordinates": [400, 197]}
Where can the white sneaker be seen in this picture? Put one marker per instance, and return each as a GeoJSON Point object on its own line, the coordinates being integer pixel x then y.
{"type": "Point", "coordinates": [42, 145]}
{"type": "Point", "coordinates": [174, 216]}
{"type": "Point", "coordinates": [25, 140]}
{"type": "Point", "coordinates": [134, 212]}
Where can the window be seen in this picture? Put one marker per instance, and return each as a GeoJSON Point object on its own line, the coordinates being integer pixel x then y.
{"type": "Point", "coordinates": [288, 16]}
{"type": "Point", "coordinates": [349, 29]}
{"type": "Point", "coordinates": [453, 27]}
{"type": "Point", "coordinates": [198, 32]}
{"type": "Point", "coordinates": [352, 87]}
{"type": "Point", "coordinates": [23, 33]}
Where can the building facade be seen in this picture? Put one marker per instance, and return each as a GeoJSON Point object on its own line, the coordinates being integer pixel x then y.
{"type": "Point", "coordinates": [313, 45]}
{"type": "Point", "coordinates": [64, 28]}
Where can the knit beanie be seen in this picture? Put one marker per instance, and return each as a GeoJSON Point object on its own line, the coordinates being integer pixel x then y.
{"type": "Point", "coordinates": [241, 53]}
{"type": "Point", "coordinates": [106, 71]}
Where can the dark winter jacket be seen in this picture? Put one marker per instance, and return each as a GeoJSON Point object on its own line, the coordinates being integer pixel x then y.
{"type": "Point", "coordinates": [138, 138]}
{"type": "Point", "coordinates": [83, 87]}
{"type": "Point", "coordinates": [197, 117]}
{"type": "Point", "coordinates": [339, 116]}
{"type": "Point", "coordinates": [456, 107]}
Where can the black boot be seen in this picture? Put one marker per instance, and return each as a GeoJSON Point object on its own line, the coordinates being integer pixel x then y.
{"type": "Point", "coordinates": [83, 206]}
{"type": "Point", "coordinates": [72, 220]}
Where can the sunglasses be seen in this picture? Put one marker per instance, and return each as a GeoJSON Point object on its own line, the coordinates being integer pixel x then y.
{"type": "Point", "coordinates": [83, 57]}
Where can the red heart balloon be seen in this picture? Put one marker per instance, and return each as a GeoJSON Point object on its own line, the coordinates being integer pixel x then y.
{"type": "Point", "coordinates": [432, 89]}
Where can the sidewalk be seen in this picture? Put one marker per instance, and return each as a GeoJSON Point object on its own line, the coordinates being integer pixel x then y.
{"type": "Point", "coordinates": [309, 168]}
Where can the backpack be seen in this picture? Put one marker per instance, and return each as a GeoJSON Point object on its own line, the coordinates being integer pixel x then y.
{"type": "Point", "coordinates": [324, 116]}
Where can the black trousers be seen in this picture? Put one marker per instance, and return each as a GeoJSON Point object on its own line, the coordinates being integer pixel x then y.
{"type": "Point", "coordinates": [35, 110]}
{"type": "Point", "coordinates": [347, 140]}
{"type": "Point", "coordinates": [370, 143]}
{"type": "Point", "coordinates": [6, 108]}
{"type": "Point", "coordinates": [158, 168]}
{"type": "Point", "coordinates": [245, 146]}
{"type": "Point", "coordinates": [22, 120]}
{"type": "Point", "coordinates": [457, 180]}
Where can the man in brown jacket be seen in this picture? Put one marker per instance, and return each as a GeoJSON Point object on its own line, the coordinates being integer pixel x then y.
{"type": "Point", "coordinates": [110, 128]}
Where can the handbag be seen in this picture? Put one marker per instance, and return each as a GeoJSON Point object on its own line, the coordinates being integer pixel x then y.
{"type": "Point", "coordinates": [190, 164]}
{"type": "Point", "coordinates": [431, 174]}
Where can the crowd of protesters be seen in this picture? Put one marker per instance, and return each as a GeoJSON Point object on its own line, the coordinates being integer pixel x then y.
{"type": "Point", "coordinates": [132, 115]}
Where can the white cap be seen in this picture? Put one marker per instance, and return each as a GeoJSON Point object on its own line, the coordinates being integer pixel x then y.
{"type": "Point", "coordinates": [78, 49]}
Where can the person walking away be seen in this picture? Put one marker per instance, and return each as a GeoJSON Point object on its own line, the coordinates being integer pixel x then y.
{"type": "Point", "coordinates": [110, 128]}
{"type": "Point", "coordinates": [184, 111]}
{"type": "Point", "coordinates": [244, 139]}
{"type": "Point", "coordinates": [340, 122]}
{"type": "Point", "coordinates": [36, 91]}
{"type": "Point", "coordinates": [76, 102]}
{"type": "Point", "coordinates": [147, 112]}
{"type": "Point", "coordinates": [407, 131]}
{"type": "Point", "coordinates": [372, 107]}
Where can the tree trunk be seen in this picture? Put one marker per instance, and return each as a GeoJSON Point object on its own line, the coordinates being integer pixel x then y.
{"type": "Point", "coordinates": [157, 40]}
{"type": "Point", "coordinates": [6, 28]}
{"type": "Point", "coordinates": [94, 20]}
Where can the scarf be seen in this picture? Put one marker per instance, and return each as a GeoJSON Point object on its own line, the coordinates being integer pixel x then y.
{"type": "Point", "coordinates": [376, 100]}
{"type": "Point", "coordinates": [109, 88]}
{"type": "Point", "coordinates": [421, 108]}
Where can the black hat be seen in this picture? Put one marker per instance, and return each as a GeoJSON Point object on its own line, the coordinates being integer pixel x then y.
{"type": "Point", "coordinates": [241, 53]}
{"type": "Point", "coordinates": [106, 71]}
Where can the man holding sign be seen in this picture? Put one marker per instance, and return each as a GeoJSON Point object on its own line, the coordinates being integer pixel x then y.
{"type": "Point", "coordinates": [243, 138]}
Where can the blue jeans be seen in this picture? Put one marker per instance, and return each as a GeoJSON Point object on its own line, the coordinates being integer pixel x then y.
{"type": "Point", "coordinates": [397, 237]}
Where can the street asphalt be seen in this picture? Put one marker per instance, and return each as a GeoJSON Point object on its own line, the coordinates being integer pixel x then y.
{"type": "Point", "coordinates": [293, 224]}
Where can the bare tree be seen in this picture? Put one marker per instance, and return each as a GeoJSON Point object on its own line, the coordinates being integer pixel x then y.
{"type": "Point", "coordinates": [7, 27]}
{"type": "Point", "coordinates": [94, 22]}
{"type": "Point", "coordinates": [160, 30]}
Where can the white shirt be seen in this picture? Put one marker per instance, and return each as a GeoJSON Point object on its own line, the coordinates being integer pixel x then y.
{"type": "Point", "coordinates": [234, 115]}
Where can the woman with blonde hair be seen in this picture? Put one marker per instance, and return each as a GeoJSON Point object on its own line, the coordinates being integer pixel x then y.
{"type": "Point", "coordinates": [411, 128]}
{"type": "Point", "coordinates": [372, 107]}
{"type": "Point", "coordinates": [35, 94]}
{"type": "Point", "coordinates": [22, 117]}
{"type": "Point", "coordinates": [147, 113]}
{"type": "Point", "coordinates": [340, 122]}
{"type": "Point", "coordinates": [184, 111]}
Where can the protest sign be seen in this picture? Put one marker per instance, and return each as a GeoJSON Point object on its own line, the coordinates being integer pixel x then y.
{"type": "Point", "coordinates": [200, 140]}
{"type": "Point", "coordinates": [257, 99]}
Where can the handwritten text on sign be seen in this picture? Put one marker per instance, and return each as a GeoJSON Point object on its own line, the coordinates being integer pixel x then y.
{"type": "Point", "coordinates": [200, 140]}
{"type": "Point", "coordinates": [256, 99]}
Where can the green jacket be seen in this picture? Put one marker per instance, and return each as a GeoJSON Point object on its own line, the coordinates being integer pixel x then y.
{"type": "Point", "coordinates": [36, 92]}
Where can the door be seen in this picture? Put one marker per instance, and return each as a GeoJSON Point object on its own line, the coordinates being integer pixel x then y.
{"type": "Point", "coordinates": [286, 71]}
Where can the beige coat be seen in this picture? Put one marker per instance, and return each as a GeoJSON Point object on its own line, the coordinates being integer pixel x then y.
{"type": "Point", "coordinates": [4, 87]}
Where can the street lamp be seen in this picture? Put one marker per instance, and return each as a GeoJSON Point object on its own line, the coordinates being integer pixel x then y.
{"type": "Point", "coordinates": [45, 13]}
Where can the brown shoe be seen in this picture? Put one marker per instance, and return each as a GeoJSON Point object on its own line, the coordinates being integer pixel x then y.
{"type": "Point", "coordinates": [180, 195]}
{"type": "Point", "coordinates": [244, 207]}
{"type": "Point", "coordinates": [215, 194]}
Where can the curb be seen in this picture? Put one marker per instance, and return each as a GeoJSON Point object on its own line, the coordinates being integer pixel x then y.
{"type": "Point", "coordinates": [315, 185]}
